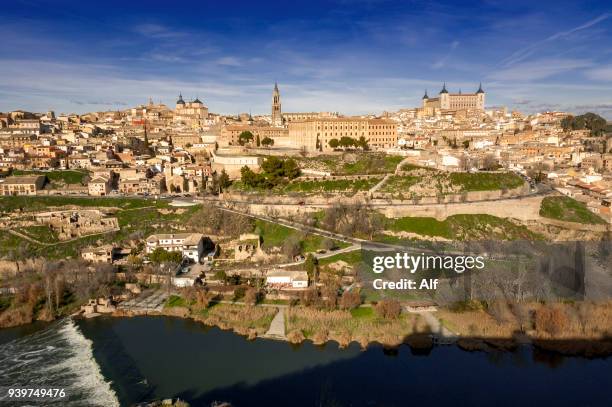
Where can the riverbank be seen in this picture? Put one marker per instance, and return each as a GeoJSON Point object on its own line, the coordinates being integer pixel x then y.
{"type": "Point", "coordinates": [27, 313]}
{"type": "Point", "coordinates": [476, 330]}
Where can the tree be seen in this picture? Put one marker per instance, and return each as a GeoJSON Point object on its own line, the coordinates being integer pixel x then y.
{"type": "Point", "coordinates": [273, 166]}
{"type": "Point", "coordinates": [202, 298]}
{"type": "Point", "coordinates": [134, 262]}
{"type": "Point", "coordinates": [291, 169]}
{"type": "Point", "coordinates": [292, 246]}
{"type": "Point", "coordinates": [350, 300]}
{"type": "Point", "coordinates": [252, 296]}
{"type": "Point", "coordinates": [490, 162]}
{"type": "Point", "coordinates": [212, 187]}
{"type": "Point", "coordinates": [257, 141]}
{"type": "Point", "coordinates": [329, 294]}
{"type": "Point", "coordinates": [334, 143]}
{"type": "Point", "coordinates": [464, 163]}
{"type": "Point", "coordinates": [362, 143]}
{"type": "Point", "coordinates": [224, 180]}
{"type": "Point", "coordinates": [346, 142]}
{"type": "Point", "coordinates": [328, 244]}
{"type": "Point", "coordinates": [251, 179]}
{"type": "Point", "coordinates": [220, 275]}
{"type": "Point", "coordinates": [309, 297]}
{"type": "Point", "coordinates": [245, 137]}
{"type": "Point", "coordinates": [310, 265]}
{"type": "Point", "coordinates": [247, 176]}
{"type": "Point", "coordinates": [267, 142]}
{"type": "Point", "coordinates": [356, 220]}
{"type": "Point", "coordinates": [591, 121]}
{"type": "Point", "coordinates": [160, 256]}
{"type": "Point", "coordinates": [239, 292]}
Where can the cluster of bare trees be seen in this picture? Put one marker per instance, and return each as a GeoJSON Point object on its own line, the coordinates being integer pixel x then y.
{"type": "Point", "coordinates": [198, 297]}
{"type": "Point", "coordinates": [349, 300]}
{"type": "Point", "coordinates": [217, 222]}
{"type": "Point", "coordinates": [358, 220]}
{"type": "Point", "coordinates": [54, 288]}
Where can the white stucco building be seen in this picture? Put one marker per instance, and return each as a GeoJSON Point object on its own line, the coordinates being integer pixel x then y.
{"type": "Point", "coordinates": [191, 245]}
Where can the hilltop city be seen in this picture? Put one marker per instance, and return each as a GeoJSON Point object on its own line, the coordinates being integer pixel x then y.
{"type": "Point", "coordinates": [259, 223]}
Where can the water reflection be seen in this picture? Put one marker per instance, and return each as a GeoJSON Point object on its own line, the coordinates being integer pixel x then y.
{"type": "Point", "coordinates": [183, 358]}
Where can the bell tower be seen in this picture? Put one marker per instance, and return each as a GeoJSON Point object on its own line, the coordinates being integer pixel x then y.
{"type": "Point", "coordinates": [480, 95]}
{"type": "Point", "coordinates": [277, 117]}
{"type": "Point", "coordinates": [444, 98]}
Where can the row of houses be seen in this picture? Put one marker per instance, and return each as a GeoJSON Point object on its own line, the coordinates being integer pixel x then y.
{"type": "Point", "coordinates": [195, 247]}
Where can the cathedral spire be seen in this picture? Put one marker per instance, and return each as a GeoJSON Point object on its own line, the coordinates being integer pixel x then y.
{"type": "Point", "coordinates": [277, 117]}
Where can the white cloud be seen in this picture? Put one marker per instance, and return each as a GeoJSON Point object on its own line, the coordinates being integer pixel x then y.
{"type": "Point", "coordinates": [523, 53]}
{"type": "Point", "coordinates": [38, 85]}
{"type": "Point", "coordinates": [156, 31]}
{"type": "Point", "coordinates": [600, 74]}
{"type": "Point", "coordinates": [541, 69]}
{"type": "Point", "coordinates": [229, 61]}
{"type": "Point", "coordinates": [442, 61]}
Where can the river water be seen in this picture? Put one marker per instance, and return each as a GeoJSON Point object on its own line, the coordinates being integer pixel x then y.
{"type": "Point", "coordinates": [122, 361]}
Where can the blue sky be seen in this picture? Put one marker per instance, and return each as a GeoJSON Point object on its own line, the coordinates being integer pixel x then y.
{"type": "Point", "coordinates": [355, 57]}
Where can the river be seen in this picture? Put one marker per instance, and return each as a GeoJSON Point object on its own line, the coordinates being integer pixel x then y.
{"type": "Point", "coordinates": [122, 361]}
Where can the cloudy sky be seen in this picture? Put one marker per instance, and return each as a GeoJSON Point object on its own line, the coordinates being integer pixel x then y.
{"type": "Point", "coordinates": [351, 56]}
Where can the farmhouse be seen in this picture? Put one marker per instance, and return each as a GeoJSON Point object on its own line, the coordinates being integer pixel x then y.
{"type": "Point", "coordinates": [191, 245]}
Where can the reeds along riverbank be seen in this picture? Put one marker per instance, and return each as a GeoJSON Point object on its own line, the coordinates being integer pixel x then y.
{"type": "Point", "coordinates": [321, 326]}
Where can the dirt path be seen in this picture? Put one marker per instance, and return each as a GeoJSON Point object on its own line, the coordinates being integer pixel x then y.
{"type": "Point", "coordinates": [380, 184]}
{"type": "Point", "coordinates": [443, 334]}
{"type": "Point", "coordinates": [38, 242]}
{"type": "Point", "coordinates": [147, 301]}
{"type": "Point", "coordinates": [277, 327]}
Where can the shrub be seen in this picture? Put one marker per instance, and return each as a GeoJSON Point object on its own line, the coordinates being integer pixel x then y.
{"type": "Point", "coordinates": [295, 336]}
{"type": "Point", "coordinates": [320, 336]}
{"type": "Point", "coordinates": [350, 300]}
{"type": "Point", "coordinates": [239, 292]}
{"type": "Point", "coordinates": [309, 297]}
{"type": "Point", "coordinates": [252, 296]}
{"type": "Point", "coordinates": [551, 320]}
{"type": "Point", "coordinates": [220, 275]}
{"type": "Point", "coordinates": [388, 309]}
{"type": "Point", "coordinates": [499, 310]}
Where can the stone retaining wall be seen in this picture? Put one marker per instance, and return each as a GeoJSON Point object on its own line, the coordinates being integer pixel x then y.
{"type": "Point", "coordinates": [586, 227]}
{"type": "Point", "coordinates": [376, 198]}
{"type": "Point", "coordinates": [526, 208]}
{"type": "Point", "coordinates": [471, 196]}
